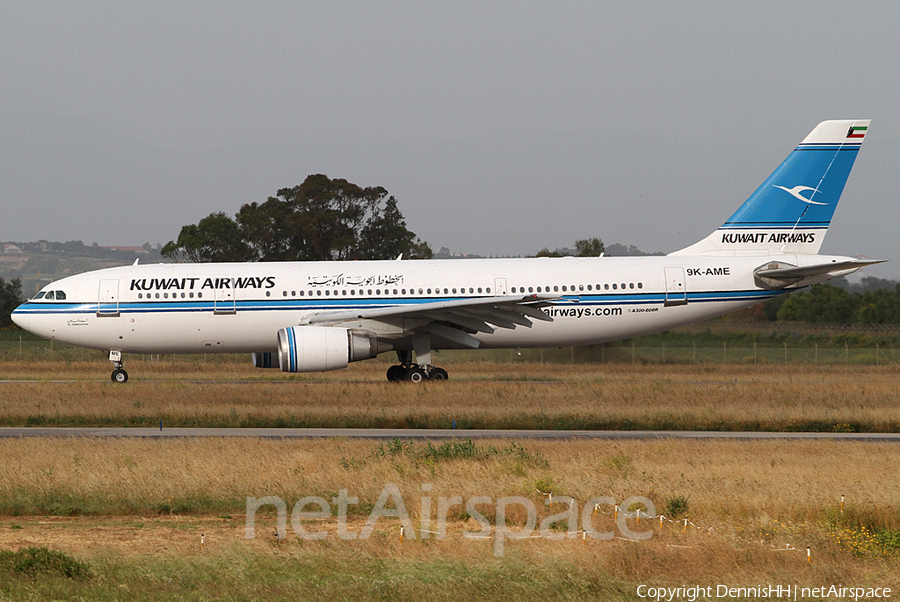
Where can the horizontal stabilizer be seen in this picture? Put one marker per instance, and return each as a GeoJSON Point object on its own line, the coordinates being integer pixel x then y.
{"type": "Point", "coordinates": [778, 275]}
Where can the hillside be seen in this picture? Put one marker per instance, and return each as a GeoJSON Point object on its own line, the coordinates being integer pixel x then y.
{"type": "Point", "coordinates": [37, 263]}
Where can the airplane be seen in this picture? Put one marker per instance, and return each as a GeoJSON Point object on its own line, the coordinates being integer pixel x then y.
{"type": "Point", "coordinates": [318, 316]}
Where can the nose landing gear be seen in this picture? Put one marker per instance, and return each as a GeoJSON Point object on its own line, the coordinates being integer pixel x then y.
{"type": "Point", "coordinates": [118, 374]}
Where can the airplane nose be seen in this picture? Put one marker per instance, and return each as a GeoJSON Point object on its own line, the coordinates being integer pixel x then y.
{"type": "Point", "coordinates": [21, 318]}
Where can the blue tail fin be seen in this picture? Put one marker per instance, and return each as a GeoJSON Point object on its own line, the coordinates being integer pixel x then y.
{"type": "Point", "coordinates": [791, 211]}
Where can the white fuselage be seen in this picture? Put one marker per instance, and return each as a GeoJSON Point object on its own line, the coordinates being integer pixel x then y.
{"type": "Point", "coordinates": [231, 308]}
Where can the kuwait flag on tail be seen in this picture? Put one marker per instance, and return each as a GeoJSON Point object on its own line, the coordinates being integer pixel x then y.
{"type": "Point", "coordinates": [857, 131]}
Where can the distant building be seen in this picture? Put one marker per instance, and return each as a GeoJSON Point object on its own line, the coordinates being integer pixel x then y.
{"type": "Point", "coordinates": [11, 248]}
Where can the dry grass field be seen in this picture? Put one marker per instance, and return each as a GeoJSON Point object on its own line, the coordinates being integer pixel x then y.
{"type": "Point", "coordinates": [135, 510]}
{"type": "Point", "coordinates": [132, 512]}
{"type": "Point", "coordinates": [479, 395]}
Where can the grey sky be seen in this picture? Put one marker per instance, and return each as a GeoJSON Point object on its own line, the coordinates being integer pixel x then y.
{"type": "Point", "coordinates": [501, 127]}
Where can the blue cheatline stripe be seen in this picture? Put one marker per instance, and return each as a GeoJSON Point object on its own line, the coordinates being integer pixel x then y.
{"type": "Point", "coordinates": [775, 226]}
{"type": "Point", "coordinates": [359, 304]}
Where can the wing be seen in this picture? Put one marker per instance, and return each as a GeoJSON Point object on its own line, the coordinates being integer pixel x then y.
{"type": "Point", "coordinates": [455, 321]}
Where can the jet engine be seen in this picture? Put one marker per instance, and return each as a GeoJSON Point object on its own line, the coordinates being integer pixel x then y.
{"type": "Point", "coordinates": [320, 348]}
{"type": "Point", "coordinates": [263, 359]}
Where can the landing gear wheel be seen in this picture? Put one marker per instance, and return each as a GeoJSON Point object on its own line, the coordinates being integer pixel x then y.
{"type": "Point", "coordinates": [396, 374]}
{"type": "Point", "coordinates": [439, 375]}
{"type": "Point", "coordinates": [415, 375]}
{"type": "Point", "coordinates": [119, 376]}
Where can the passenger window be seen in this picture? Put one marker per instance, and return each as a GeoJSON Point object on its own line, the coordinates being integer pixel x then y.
{"type": "Point", "coordinates": [589, 287]}
{"type": "Point", "coordinates": [429, 291]}
{"type": "Point", "coordinates": [581, 287]}
{"type": "Point", "coordinates": [191, 295]}
{"type": "Point", "coordinates": [488, 289]}
{"type": "Point", "coordinates": [199, 295]}
{"type": "Point", "coordinates": [614, 287]}
{"type": "Point", "coordinates": [268, 293]}
{"type": "Point", "coordinates": [640, 285]}
{"type": "Point", "coordinates": [479, 289]}
{"type": "Point", "coordinates": [631, 285]}
{"type": "Point", "coordinates": [605, 286]}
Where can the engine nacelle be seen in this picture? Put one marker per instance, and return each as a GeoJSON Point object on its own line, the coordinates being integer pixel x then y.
{"type": "Point", "coordinates": [321, 348]}
{"type": "Point", "coordinates": [263, 359]}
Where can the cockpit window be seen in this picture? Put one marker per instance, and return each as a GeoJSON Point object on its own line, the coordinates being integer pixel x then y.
{"type": "Point", "coordinates": [40, 295]}
{"type": "Point", "coordinates": [50, 295]}
{"type": "Point", "coordinates": [60, 296]}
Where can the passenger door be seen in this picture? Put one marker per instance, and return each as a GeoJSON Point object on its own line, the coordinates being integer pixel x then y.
{"type": "Point", "coordinates": [676, 294]}
{"type": "Point", "coordinates": [108, 299]}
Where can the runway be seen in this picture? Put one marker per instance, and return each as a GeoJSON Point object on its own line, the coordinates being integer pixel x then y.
{"type": "Point", "coordinates": [433, 434]}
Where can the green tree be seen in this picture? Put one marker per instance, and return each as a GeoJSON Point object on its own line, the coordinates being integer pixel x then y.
{"type": "Point", "coordinates": [589, 247]}
{"type": "Point", "coordinates": [321, 219]}
{"type": "Point", "coordinates": [268, 231]}
{"type": "Point", "coordinates": [216, 238]}
{"type": "Point", "coordinates": [823, 303]}
{"type": "Point", "coordinates": [385, 236]}
{"type": "Point", "coordinates": [10, 298]}
{"type": "Point", "coordinates": [879, 306]}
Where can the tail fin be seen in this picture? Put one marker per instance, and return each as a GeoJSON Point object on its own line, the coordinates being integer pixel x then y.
{"type": "Point", "coordinates": [791, 211]}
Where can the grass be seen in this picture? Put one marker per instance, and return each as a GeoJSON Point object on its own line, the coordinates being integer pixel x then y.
{"type": "Point", "coordinates": [43, 562]}
{"type": "Point", "coordinates": [479, 395]}
{"type": "Point", "coordinates": [133, 512]}
{"type": "Point", "coordinates": [712, 481]}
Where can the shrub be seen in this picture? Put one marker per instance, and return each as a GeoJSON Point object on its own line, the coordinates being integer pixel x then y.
{"type": "Point", "coordinates": [43, 561]}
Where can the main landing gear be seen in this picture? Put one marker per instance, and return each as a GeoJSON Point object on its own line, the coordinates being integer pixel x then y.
{"type": "Point", "coordinates": [118, 374]}
{"type": "Point", "coordinates": [415, 373]}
